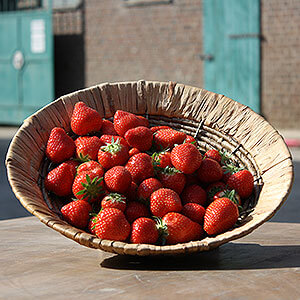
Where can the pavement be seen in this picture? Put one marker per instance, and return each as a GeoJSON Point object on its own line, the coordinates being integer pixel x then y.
{"type": "Point", "coordinates": [10, 207]}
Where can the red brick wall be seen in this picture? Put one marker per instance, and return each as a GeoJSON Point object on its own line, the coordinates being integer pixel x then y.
{"type": "Point", "coordinates": [281, 62]}
{"type": "Point", "coordinates": [157, 42]}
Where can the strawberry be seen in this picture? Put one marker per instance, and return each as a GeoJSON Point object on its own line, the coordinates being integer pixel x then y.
{"type": "Point", "coordinates": [161, 159]}
{"type": "Point", "coordinates": [213, 154]}
{"type": "Point", "coordinates": [139, 137]}
{"type": "Point", "coordinates": [194, 211]}
{"type": "Point", "coordinates": [135, 210]}
{"type": "Point", "coordinates": [108, 128]}
{"type": "Point", "coordinates": [156, 128]}
{"type": "Point", "coordinates": [220, 216]}
{"type": "Point", "coordinates": [186, 158]}
{"type": "Point", "coordinates": [117, 179]}
{"type": "Point", "coordinates": [107, 139]}
{"type": "Point", "coordinates": [112, 225]}
{"type": "Point", "coordinates": [191, 179]}
{"type": "Point", "coordinates": [123, 121]}
{"type": "Point", "coordinates": [91, 166]}
{"type": "Point", "coordinates": [140, 167]}
{"type": "Point", "coordinates": [163, 201]}
{"type": "Point", "coordinates": [143, 121]}
{"type": "Point", "coordinates": [193, 194]}
{"type": "Point", "coordinates": [167, 138]}
{"type": "Point", "coordinates": [60, 146]}
{"type": "Point", "coordinates": [92, 224]}
{"type": "Point", "coordinates": [190, 139]}
{"type": "Point", "coordinates": [114, 200]}
{"type": "Point", "coordinates": [144, 231]}
{"type": "Point", "coordinates": [85, 119]}
{"type": "Point", "coordinates": [60, 180]}
{"type": "Point", "coordinates": [213, 188]}
{"type": "Point", "coordinates": [242, 182]}
{"type": "Point", "coordinates": [133, 151]}
{"type": "Point", "coordinates": [113, 154]}
{"type": "Point", "coordinates": [131, 194]}
{"type": "Point", "coordinates": [226, 175]}
{"type": "Point", "coordinates": [209, 171]}
{"type": "Point", "coordinates": [147, 187]}
{"type": "Point", "coordinates": [172, 178]}
{"type": "Point", "coordinates": [77, 213]}
{"type": "Point", "coordinates": [181, 229]}
{"type": "Point", "coordinates": [88, 186]}
{"type": "Point", "coordinates": [87, 147]}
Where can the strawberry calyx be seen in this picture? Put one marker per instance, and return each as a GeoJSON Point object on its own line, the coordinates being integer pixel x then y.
{"type": "Point", "coordinates": [83, 158]}
{"type": "Point", "coordinates": [169, 170]}
{"type": "Point", "coordinates": [156, 159]}
{"type": "Point", "coordinates": [232, 195]}
{"type": "Point", "coordinates": [92, 188]}
{"type": "Point", "coordinates": [115, 197]}
{"type": "Point", "coordinates": [225, 157]}
{"type": "Point", "coordinates": [162, 228]}
{"type": "Point", "coordinates": [112, 147]}
{"type": "Point", "coordinates": [230, 168]}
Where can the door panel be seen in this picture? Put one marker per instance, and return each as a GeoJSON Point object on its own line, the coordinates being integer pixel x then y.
{"type": "Point", "coordinates": [231, 36]}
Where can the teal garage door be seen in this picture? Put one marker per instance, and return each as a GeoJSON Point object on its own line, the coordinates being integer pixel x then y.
{"type": "Point", "coordinates": [231, 35]}
{"type": "Point", "coordinates": [26, 59]}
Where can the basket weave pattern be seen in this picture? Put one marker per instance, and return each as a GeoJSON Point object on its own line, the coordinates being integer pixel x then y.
{"type": "Point", "coordinates": [215, 120]}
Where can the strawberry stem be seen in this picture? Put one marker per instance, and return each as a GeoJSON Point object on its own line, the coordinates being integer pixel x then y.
{"type": "Point", "coordinates": [112, 147]}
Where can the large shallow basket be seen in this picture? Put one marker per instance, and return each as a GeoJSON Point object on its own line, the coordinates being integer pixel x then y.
{"type": "Point", "coordinates": [215, 120]}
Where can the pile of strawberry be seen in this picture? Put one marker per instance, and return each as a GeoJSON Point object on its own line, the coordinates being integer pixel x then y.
{"type": "Point", "coordinates": [142, 185]}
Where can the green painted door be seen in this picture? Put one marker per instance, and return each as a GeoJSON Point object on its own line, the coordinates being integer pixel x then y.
{"type": "Point", "coordinates": [26, 63]}
{"type": "Point", "coordinates": [232, 49]}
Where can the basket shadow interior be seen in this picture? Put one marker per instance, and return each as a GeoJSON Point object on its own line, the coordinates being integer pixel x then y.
{"type": "Point", "coordinates": [215, 120]}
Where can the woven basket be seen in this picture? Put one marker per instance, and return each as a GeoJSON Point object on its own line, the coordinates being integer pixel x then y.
{"type": "Point", "coordinates": [215, 120]}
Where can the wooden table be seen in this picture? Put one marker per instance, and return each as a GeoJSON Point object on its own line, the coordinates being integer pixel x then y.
{"type": "Point", "coordinates": [37, 262]}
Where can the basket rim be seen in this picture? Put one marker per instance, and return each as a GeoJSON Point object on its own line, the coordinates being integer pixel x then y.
{"type": "Point", "coordinates": [86, 239]}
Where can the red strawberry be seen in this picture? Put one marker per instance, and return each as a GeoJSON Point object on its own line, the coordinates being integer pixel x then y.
{"type": "Point", "coordinates": [181, 229]}
{"type": "Point", "coordinates": [107, 139]}
{"type": "Point", "coordinates": [172, 178]}
{"type": "Point", "coordinates": [91, 166]}
{"type": "Point", "coordinates": [242, 182]}
{"type": "Point", "coordinates": [139, 137]}
{"type": "Point", "coordinates": [144, 231]}
{"type": "Point", "coordinates": [220, 216]}
{"type": "Point", "coordinates": [85, 119]}
{"type": "Point", "coordinates": [114, 200]}
{"type": "Point", "coordinates": [191, 179]}
{"type": "Point", "coordinates": [112, 225]}
{"type": "Point", "coordinates": [113, 154]}
{"type": "Point", "coordinates": [123, 121]}
{"type": "Point", "coordinates": [147, 187]}
{"type": "Point", "coordinates": [167, 138]}
{"type": "Point", "coordinates": [143, 121]}
{"type": "Point", "coordinates": [60, 180]}
{"type": "Point", "coordinates": [87, 147]}
{"type": "Point", "coordinates": [118, 179]}
{"type": "Point", "coordinates": [163, 201]}
{"type": "Point", "coordinates": [214, 188]}
{"type": "Point", "coordinates": [92, 224]}
{"type": "Point", "coordinates": [135, 210]}
{"type": "Point", "coordinates": [131, 194]}
{"type": "Point", "coordinates": [194, 211]}
{"type": "Point", "coordinates": [60, 146]}
{"type": "Point", "coordinates": [161, 159]}
{"type": "Point", "coordinates": [213, 154]}
{"type": "Point", "coordinates": [226, 175]}
{"type": "Point", "coordinates": [209, 171]}
{"type": "Point", "coordinates": [133, 151]}
{"type": "Point", "coordinates": [88, 186]}
{"type": "Point", "coordinates": [186, 158]}
{"type": "Point", "coordinates": [77, 213]}
{"type": "Point", "coordinates": [194, 194]}
{"type": "Point", "coordinates": [190, 139]}
{"type": "Point", "coordinates": [156, 128]}
{"type": "Point", "coordinates": [108, 128]}
{"type": "Point", "coordinates": [140, 167]}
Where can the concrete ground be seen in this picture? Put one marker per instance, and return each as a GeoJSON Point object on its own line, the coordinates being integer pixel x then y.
{"type": "Point", "coordinates": [11, 208]}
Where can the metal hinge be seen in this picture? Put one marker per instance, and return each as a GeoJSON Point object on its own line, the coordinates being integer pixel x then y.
{"type": "Point", "coordinates": [206, 57]}
{"type": "Point", "coordinates": [245, 35]}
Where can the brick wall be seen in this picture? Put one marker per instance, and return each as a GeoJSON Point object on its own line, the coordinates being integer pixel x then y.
{"type": "Point", "coordinates": [162, 42]}
{"type": "Point", "coordinates": [155, 42]}
{"type": "Point", "coordinates": [281, 62]}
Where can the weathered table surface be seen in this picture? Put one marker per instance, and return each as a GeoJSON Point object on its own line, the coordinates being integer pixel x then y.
{"type": "Point", "coordinates": [37, 262]}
